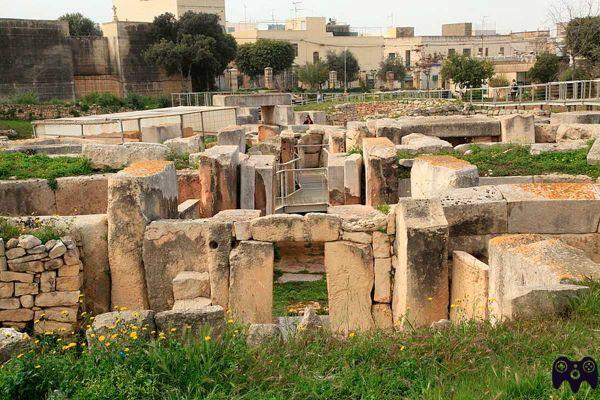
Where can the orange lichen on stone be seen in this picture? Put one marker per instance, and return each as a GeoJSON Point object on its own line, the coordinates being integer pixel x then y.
{"type": "Point", "coordinates": [446, 161]}
{"type": "Point", "coordinates": [561, 191]}
{"type": "Point", "coordinates": [146, 168]}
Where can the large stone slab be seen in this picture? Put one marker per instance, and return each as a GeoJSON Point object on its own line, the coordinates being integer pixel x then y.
{"type": "Point", "coordinates": [218, 169]}
{"type": "Point", "coordinates": [161, 133]}
{"type": "Point", "coordinates": [335, 179]}
{"type": "Point", "coordinates": [117, 156]}
{"type": "Point", "coordinates": [252, 100]}
{"type": "Point", "coordinates": [171, 247]}
{"type": "Point", "coordinates": [434, 176]}
{"type": "Point", "coordinates": [279, 228]}
{"type": "Point", "coordinates": [593, 157]}
{"type": "Point", "coordinates": [470, 288]}
{"type": "Point", "coordinates": [12, 343]}
{"type": "Point", "coordinates": [27, 197]}
{"type": "Point", "coordinates": [539, 148]}
{"type": "Point", "coordinates": [251, 282]}
{"type": "Point", "coordinates": [552, 207]}
{"type": "Point", "coordinates": [381, 171]}
{"type": "Point", "coordinates": [568, 132]}
{"type": "Point", "coordinates": [417, 143]}
{"type": "Point", "coordinates": [421, 280]}
{"type": "Point", "coordinates": [241, 221]}
{"type": "Point", "coordinates": [576, 117]}
{"type": "Point", "coordinates": [186, 145]}
{"type": "Point", "coordinates": [82, 195]}
{"type": "Point", "coordinates": [257, 184]}
{"type": "Point", "coordinates": [232, 136]}
{"type": "Point", "coordinates": [138, 195]}
{"type": "Point", "coordinates": [350, 281]}
{"type": "Point", "coordinates": [359, 218]}
{"type": "Point", "coordinates": [208, 321]}
{"type": "Point", "coordinates": [517, 128]}
{"type": "Point", "coordinates": [353, 181]}
{"type": "Point", "coordinates": [356, 132]}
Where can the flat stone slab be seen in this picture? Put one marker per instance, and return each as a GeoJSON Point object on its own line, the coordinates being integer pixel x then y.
{"type": "Point", "coordinates": [359, 218]}
{"type": "Point", "coordinates": [289, 277]}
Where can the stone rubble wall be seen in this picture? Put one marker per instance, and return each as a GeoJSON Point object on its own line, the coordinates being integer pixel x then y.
{"type": "Point", "coordinates": [40, 284]}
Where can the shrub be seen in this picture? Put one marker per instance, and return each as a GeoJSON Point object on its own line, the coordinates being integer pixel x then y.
{"type": "Point", "coordinates": [26, 98]}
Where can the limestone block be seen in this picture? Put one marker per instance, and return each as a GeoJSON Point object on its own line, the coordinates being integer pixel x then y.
{"type": "Point", "coordinates": [59, 314]}
{"type": "Point", "coordinates": [390, 129]}
{"type": "Point", "coordinates": [470, 288]}
{"type": "Point", "coordinates": [357, 237]}
{"type": "Point", "coordinates": [186, 145]}
{"type": "Point", "coordinates": [353, 171]}
{"type": "Point", "coordinates": [190, 285]}
{"type": "Point", "coordinates": [568, 132]}
{"type": "Point", "coordinates": [382, 316]}
{"type": "Point", "coordinates": [476, 245]}
{"type": "Point", "coordinates": [359, 218]}
{"type": "Point", "coordinates": [241, 221]}
{"type": "Point", "coordinates": [546, 133]}
{"type": "Point", "coordinates": [15, 253]}
{"type": "Point", "coordinates": [356, 132]}
{"type": "Point", "coordinates": [232, 136]}
{"type": "Point", "coordinates": [189, 209]}
{"type": "Point", "coordinates": [26, 197]}
{"type": "Point", "coordinates": [381, 245]}
{"type": "Point", "coordinates": [138, 195]}
{"type": "Point", "coordinates": [350, 281]}
{"type": "Point", "coordinates": [107, 323]}
{"type": "Point", "coordinates": [69, 283]}
{"type": "Point", "coordinates": [284, 115]}
{"type": "Point", "coordinates": [175, 246]}
{"type": "Point", "coordinates": [82, 195]}
{"type": "Point", "coordinates": [544, 301]}
{"type": "Point", "coordinates": [337, 141]}
{"type": "Point", "coordinates": [433, 176]}
{"type": "Point", "coordinates": [211, 318]}
{"type": "Point", "coordinates": [318, 117]}
{"type": "Point", "coordinates": [117, 156]}
{"type": "Point", "coordinates": [561, 178]}
{"type": "Point", "coordinates": [26, 301]}
{"type": "Point", "coordinates": [381, 171]}
{"type": "Point", "coordinates": [383, 280]}
{"type": "Point", "coordinates": [593, 157]}
{"type": "Point", "coordinates": [69, 270]}
{"type": "Point", "coordinates": [475, 211]}
{"type": "Point", "coordinates": [26, 288]}
{"type": "Point", "coordinates": [322, 227]}
{"type": "Point", "coordinates": [218, 168]}
{"type": "Point", "coordinates": [310, 149]}
{"type": "Point", "coordinates": [12, 343]}
{"type": "Point", "coordinates": [161, 133]}
{"type": "Point", "coordinates": [421, 279]}
{"type": "Point", "coordinates": [54, 327]}
{"type": "Point", "coordinates": [539, 148]}
{"type": "Point", "coordinates": [266, 132]}
{"type": "Point", "coordinates": [189, 185]}
{"type": "Point", "coordinates": [197, 303]}
{"type": "Point", "coordinates": [335, 179]}
{"type": "Point", "coordinates": [279, 228]}
{"type": "Point", "coordinates": [518, 129]}
{"type": "Point", "coordinates": [6, 289]}
{"type": "Point", "coordinates": [57, 299]}
{"type": "Point", "coordinates": [576, 117]}
{"type": "Point", "coordinates": [259, 334]}
{"type": "Point", "coordinates": [552, 207]}
{"type": "Point", "coordinates": [17, 315]}
{"type": "Point", "coordinates": [251, 282]}
{"type": "Point", "coordinates": [9, 276]}
{"type": "Point", "coordinates": [9, 304]}
{"type": "Point", "coordinates": [417, 143]}
{"type": "Point", "coordinates": [257, 184]}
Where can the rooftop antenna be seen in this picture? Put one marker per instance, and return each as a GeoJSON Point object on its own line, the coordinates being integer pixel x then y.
{"type": "Point", "coordinates": [245, 14]}
{"type": "Point", "coordinates": [392, 19]}
{"type": "Point", "coordinates": [296, 5]}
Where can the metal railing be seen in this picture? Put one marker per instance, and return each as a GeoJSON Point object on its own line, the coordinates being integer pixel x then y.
{"type": "Point", "coordinates": [309, 98]}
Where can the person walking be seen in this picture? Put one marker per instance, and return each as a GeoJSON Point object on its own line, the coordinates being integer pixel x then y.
{"type": "Point", "coordinates": [514, 90]}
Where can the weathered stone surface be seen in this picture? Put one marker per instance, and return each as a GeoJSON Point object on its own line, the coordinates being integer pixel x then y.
{"type": "Point", "coordinates": [318, 117]}
{"type": "Point", "coordinates": [117, 156]}
{"type": "Point", "coordinates": [559, 178]}
{"type": "Point", "coordinates": [57, 299]}
{"type": "Point", "coordinates": [16, 315]}
{"type": "Point", "coordinates": [576, 117]}
{"type": "Point", "coordinates": [279, 228]}
{"type": "Point", "coordinates": [232, 136]}
{"type": "Point", "coordinates": [15, 253]}
{"type": "Point", "coordinates": [546, 133]}
{"type": "Point", "coordinates": [544, 301]}
{"type": "Point", "coordinates": [418, 143]}
{"type": "Point", "coordinates": [197, 303]}
{"type": "Point", "coordinates": [517, 128]}
{"type": "Point", "coordinates": [356, 132]}
{"type": "Point", "coordinates": [381, 245]}
{"type": "Point", "coordinates": [293, 277]}
{"type": "Point", "coordinates": [241, 221]}
{"type": "Point", "coordinates": [25, 288]}
{"type": "Point", "coordinates": [9, 304]}
{"type": "Point", "coordinates": [69, 270]}
{"type": "Point", "coordinates": [322, 227]}
{"type": "Point", "coordinates": [257, 183]}
{"type": "Point", "coordinates": [189, 285]}
{"type": "Point", "coordinates": [189, 209]}
{"type": "Point", "coordinates": [383, 280]}
{"type": "Point", "coordinates": [353, 166]}
{"type": "Point", "coordinates": [568, 132]}
{"type": "Point", "coordinates": [335, 178]}
{"type": "Point", "coordinates": [475, 211]}
{"type": "Point", "coordinates": [593, 157]}
{"type": "Point", "coordinates": [174, 246]}
{"type": "Point", "coordinates": [26, 197]}
{"type": "Point", "coordinates": [69, 283]}
{"type": "Point", "coordinates": [211, 318]}
{"type": "Point", "coordinates": [9, 276]}
{"type": "Point", "coordinates": [337, 141]}
{"type": "Point", "coordinates": [310, 149]}
{"type": "Point", "coordinates": [107, 323]}
{"type": "Point", "coordinates": [28, 242]}
{"type": "Point", "coordinates": [310, 321]}
{"type": "Point", "coordinates": [421, 278]}
{"type": "Point", "coordinates": [381, 171]}
{"type": "Point", "coordinates": [82, 195]}
{"type": "Point", "coordinates": [59, 314]}
{"type": "Point", "coordinates": [31, 267]}
{"type": "Point", "coordinates": [552, 207]}
{"type": "Point", "coordinates": [382, 316]}
{"type": "Point", "coordinates": [6, 289]}
{"type": "Point", "coordinates": [434, 176]}
{"type": "Point", "coordinates": [259, 334]}
{"type": "Point", "coordinates": [138, 195]}
{"type": "Point", "coordinates": [45, 327]}
{"type": "Point", "coordinates": [359, 218]}
{"type": "Point", "coordinates": [470, 288]}
{"type": "Point", "coordinates": [251, 282]}
{"type": "Point", "coordinates": [218, 169]}
{"type": "Point", "coordinates": [357, 237]}
{"type": "Point", "coordinates": [185, 145]}
{"type": "Point", "coordinates": [26, 301]}
{"type": "Point", "coordinates": [350, 280]}
{"type": "Point", "coordinates": [161, 133]}
{"type": "Point", "coordinates": [58, 250]}
{"type": "Point", "coordinates": [266, 132]}
{"type": "Point", "coordinates": [539, 148]}
{"type": "Point", "coordinates": [12, 342]}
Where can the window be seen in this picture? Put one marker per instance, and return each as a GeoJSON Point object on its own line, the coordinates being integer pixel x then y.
{"type": "Point", "coordinates": [407, 58]}
{"type": "Point", "coordinates": [487, 52]}
{"type": "Point", "coordinates": [501, 51]}
{"type": "Point", "coordinates": [451, 52]}
{"type": "Point", "coordinates": [392, 56]}
{"type": "Point", "coordinates": [316, 57]}
{"type": "Point", "coordinates": [467, 52]}
{"type": "Point", "coordinates": [295, 46]}
{"type": "Point", "coordinates": [480, 51]}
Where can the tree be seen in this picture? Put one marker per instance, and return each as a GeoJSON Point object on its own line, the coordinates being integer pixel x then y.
{"type": "Point", "coordinates": [313, 75]}
{"type": "Point", "coordinates": [583, 38]}
{"type": "Point", "coordinates": [395, 65]}
{"type": "Point", "coordinates": [426, 63]}
{"type": "Point", "coordinates": [546, 68]}
{"type": "Point", "coordinates": [253, 58]}
{"type": "Point", "coordinates": [80, 25]}
{"type": "Point", "coordinates": [467, 72]}
{"type": "Point", "coordinates": [343, 62]}
{"type": "Point", "coordinates": [194, 46]}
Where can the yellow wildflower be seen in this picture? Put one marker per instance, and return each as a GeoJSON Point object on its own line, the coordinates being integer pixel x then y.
{"type": "Point", "coordinates": [173, 329]}
{"type": "Point", "coordinates": [133, 335]}
{"type": "Point", "coordinates": [230, 321]}
{"type": "Point", "coordinates": [37, 366]}
{"type": "Point", "coordinates": [102, 338]}
{"type": "Point", "coordinates": [352, 334]}
{"type": "Point", "coordinates": [207, 338]}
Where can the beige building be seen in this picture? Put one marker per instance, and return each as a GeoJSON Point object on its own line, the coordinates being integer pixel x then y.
{"type": "Point", "coordinates": [146, 10]}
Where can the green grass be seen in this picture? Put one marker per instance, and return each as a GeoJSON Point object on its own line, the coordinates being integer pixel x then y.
{"type": "Point", "coordinates": [470, 361]}
{"type": "Point", "coordinates": [181, 160]}
{"type": "Point", "coordinates": [516, 160]}
{"type": "Point", "coordinates": [32, 226]}
{"type": "Point", "coordinates": [290, 294]}
{"type": "Point", "coordinates": [23, 128]}
{"type": "Point", "coordinates": [22, 166]}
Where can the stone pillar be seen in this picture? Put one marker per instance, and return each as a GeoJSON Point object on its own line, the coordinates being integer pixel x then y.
{"type": "Point", "coordinates": [519, 129]}
{"type": "Point", "coordinates": [251, 282]}
{"type": "Point", "coordinates": [433, 176]}
{"type": "Point", "coordinates": [333, 79]}
{"type": "Point", "coordinates": [335, 179]}
{"type": "Point", "coordinates": [381, 171]}
{"type": "Point", "coordinates": [288, 142]}
{"type": "Point", "coordinates": [139, 194]}
{"type": "Point", "coordinates": [350, 281]}
{"type": "Point", "coordinates": [470, 288]}
{"type": "Point", "coordinates": [389, 80]}
{"type": "Point", "coordinates": [284, 115]}
{"type": "Point", "coordinates": [218, 169]}
{"type": "Point", "coordinates": [269, 81]}
{"type": "Point", "coordinates": [421, 281]}
{"type": "Point", "coordinates": [232, 136]}
{"type": "Point", "coordinates": [337, 141]}
{"type": "Point", "coordinates": [257, 184]}
{"type": "Point", "coordinates": [353, 171]}
{"type": "Point", "coordinates": [233, 80]}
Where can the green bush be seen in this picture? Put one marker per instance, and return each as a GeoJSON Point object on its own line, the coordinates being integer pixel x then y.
{"type": "Point", "coordinates": [30, 226]}
{"type": "Point", "coordinates": [25, 99]}
{"type": "Point", "coordinates": [22, 166]}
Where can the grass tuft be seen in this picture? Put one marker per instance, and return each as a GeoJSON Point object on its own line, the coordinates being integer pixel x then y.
{"type": "Point", "coordinates": [41, 166]}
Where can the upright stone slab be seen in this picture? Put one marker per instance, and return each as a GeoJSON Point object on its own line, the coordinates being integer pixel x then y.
{"type": "Point", "coordinates": [284, 115]}
{"type": "Point", "coordinates": [356, 132]}
{"type": "Point", "coordinates": [421, 280]}
{"type": "Point", "coordinates": [310, 149]}
{"type": "Point", "coordinates": [518, 129]}
{"type": "Point", "coordinates": [470, 288]}
{"type": "Point", "coordinates": [335, 178]}
{"type": "Point", "coordinates": [593, 157]}
{"type": "Point", "coordinates": [434, 176]}
{"type": "Point", "coordinates": [161, 133]}
{"type": "Point", "coordinates": [350, 281]}
{"type": "Point", "coordinates": [353, 185]}
{"type": "Point", "coordinates": [138, 195]}
{"type": "Point", "coordinates": [251, 282]}
{"type": "Point", "coordinates": [381, 171]}
{"type": "Point", "coordinates": [337, 141]}
{"type": "Point", "coordinates": [232, 136]}
{"type": "Point", "coordinates": [218, 169]}
{"type": "Point", "coordinates": [257, 184]}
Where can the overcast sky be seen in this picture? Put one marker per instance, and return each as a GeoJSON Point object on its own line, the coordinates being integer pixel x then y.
{"type": "Point", "coordinates": [426, 16]}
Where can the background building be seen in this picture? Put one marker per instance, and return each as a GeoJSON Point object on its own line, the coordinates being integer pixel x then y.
{"type": "Point", "coordinates": [146, 10]}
